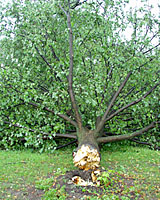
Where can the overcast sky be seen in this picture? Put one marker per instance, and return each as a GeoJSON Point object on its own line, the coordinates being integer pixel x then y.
{"type": "Point", "coordinates": [154, 3]}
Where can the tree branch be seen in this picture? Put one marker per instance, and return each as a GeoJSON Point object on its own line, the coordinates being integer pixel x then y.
{"type": "Point", "coordinates": [45, 60]}
{"type": "Point", "coordinates": [132, 103]}
{"type": "Point", "coordinates": [53, 53]}
{"type": "Point", "coordinates": [151, 48]}
{"type": "Point", "coordinates": [103, 120]}
{"type": "Point", "coordinates": [70, 77]}
{"type": "Point", "coordinates": [92, 71]}
{"type": "Point", "coordinates": [127, 136]}
{"type": "Point", "coordinates": [109, 74]}
{"type": "Point", "coordinates": [65, 145]}
{"type": "Point", "coordinates": [146, 143]}
{"type": "Point", "coordinates": [78, 3]}
{"type": "Point", "coordinates": [65, 117]}
{"type": "Point", "coordinates": [48, 64]}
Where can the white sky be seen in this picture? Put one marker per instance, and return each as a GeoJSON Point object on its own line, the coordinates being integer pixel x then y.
{"type": "Point", "coordinates": [154, 3]}
{"type": "Point", "coordinates": [140, 3]}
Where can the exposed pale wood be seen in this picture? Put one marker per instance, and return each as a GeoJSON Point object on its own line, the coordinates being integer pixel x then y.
{"type": "Point", "coordinates": [87, 158]}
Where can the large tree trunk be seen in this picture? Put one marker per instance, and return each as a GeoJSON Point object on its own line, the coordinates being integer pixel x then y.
{"type": "Point", "coordinates": [87, 155]}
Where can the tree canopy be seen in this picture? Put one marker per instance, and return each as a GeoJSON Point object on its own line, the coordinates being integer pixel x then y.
{"type": "Point", "coordinates": [67, 64]}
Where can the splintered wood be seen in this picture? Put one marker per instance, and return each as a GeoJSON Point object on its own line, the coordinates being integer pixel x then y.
{"type": "Point", "coordinates": [87, 158]}
{"type": "Point", "coordinates": [93, 181]}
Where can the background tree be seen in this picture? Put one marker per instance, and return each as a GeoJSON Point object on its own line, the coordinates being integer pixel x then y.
{"type": "Point", "coordinates": [69, 65]}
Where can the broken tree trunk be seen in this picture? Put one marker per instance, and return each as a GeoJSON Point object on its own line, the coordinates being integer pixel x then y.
{"type": "Point", "coordinates": [87, 155]}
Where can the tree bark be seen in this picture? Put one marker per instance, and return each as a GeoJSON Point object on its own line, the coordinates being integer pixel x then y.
{"type": "Point", "coordinates": [71, 65]}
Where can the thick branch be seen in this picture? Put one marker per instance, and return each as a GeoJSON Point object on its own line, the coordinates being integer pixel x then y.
{"type": "Point", "coordinates": [127, 136]}
{"type": "Point", "coordinates": [66, 135]}
{"type": "Point", "coordinates": [102, 122]}
{"type": "Point", "coordinates": [132, 103]}
{"type": "Point", "coordinates": [70, 77]}
{"type": "Point", "coordinates": [65, 117]}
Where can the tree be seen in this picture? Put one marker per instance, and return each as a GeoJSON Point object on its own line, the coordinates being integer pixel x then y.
{"type": "Point", "coordinates": [94, 81]}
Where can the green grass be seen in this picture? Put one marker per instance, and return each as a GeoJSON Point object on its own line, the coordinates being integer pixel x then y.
{"type": "Point", "coordinates": [20, 170]}
{"type": "Point", "coordinates": [140, 164]}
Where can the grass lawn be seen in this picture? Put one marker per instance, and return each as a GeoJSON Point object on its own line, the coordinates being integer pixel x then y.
{"type": "Point", "coordinates": [20, 171]}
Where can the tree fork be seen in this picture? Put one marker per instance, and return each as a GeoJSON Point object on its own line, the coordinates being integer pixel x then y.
{"type": "Point", "coordinates": [103, 120]}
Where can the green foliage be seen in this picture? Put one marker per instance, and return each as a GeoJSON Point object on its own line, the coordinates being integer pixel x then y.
{"type": "Point", "coordinates": [35, 61]}
{"type": "Point", "coordinates": [105, 178]}
{"type": "Point", "coordinates": [44, 184]}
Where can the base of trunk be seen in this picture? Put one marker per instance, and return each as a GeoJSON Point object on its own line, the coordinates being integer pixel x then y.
{"type": "Point", "coordinates": [87, 158]}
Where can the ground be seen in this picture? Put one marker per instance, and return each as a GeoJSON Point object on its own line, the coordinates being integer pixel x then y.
{"type": "Point", "coordinates": [131, 173]}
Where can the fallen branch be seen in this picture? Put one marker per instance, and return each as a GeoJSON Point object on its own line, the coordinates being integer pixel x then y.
{"type": "Point", "coordinates": [65, 145]}
{"type": "Point", "coordinates": [127, 136]}
{"type": "Point", "coordinates": [58, 114]}
{"type": "Point", "coordinates": [146, 143]}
